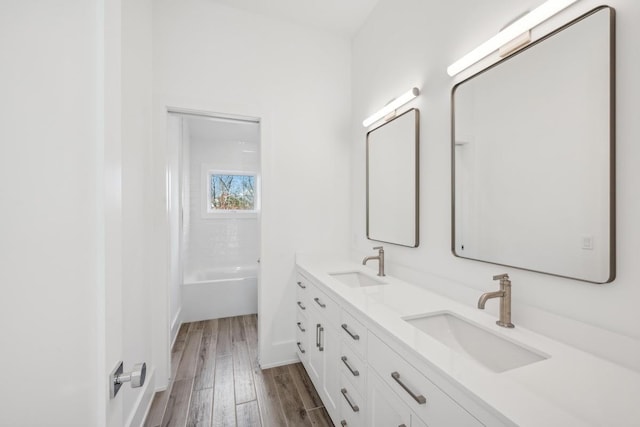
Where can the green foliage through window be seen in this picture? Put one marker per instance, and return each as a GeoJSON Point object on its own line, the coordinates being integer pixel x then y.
{"type": "Point", "coordinates": [232, 192]}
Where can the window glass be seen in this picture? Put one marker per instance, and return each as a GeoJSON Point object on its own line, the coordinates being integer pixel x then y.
{"type": "Point", "coordinates": [231, 192]}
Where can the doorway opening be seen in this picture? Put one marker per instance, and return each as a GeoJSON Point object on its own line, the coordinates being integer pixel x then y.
{"type": "Point", "coordinates": [214, 215]}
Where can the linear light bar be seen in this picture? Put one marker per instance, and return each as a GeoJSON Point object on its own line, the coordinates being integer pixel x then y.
{"type": "Point", "coordinates": [522, 25]}
{"type": "Point", "coordinates": [393, 105]}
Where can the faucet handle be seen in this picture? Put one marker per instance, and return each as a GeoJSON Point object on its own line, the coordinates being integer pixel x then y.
{"type": "Point", "coordinates": [501, 276]}
{"type": "Point", "coordinates": [378, 248]}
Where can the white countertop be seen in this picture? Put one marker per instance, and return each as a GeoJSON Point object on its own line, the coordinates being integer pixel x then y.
{"type": "Point", "coordinates": [570, 388]}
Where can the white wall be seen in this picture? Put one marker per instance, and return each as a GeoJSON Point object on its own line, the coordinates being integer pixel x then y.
{"type": "Point", "coordinates": [48, 263]}
{"type": "Point", "coordinates": [411, 42]}
{"type": "Point", "coordinates": [213, 58]}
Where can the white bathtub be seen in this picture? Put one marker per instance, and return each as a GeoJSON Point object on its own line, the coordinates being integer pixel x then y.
{"type": "Point", "coordinates": [220, 293]}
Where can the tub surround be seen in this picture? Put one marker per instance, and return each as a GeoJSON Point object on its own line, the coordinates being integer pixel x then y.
{"type": "Point", "coordinates": [216, 275]}
{"type": "Point", "coordinates": [570, 387]}
{"type": "Point", "coordinates": [217, 293]}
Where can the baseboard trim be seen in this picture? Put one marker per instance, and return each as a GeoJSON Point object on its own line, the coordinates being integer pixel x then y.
{"type": "Point", "coordinates": [142, 405]}
{"type": "Point", "coordinates": [277, 354]}
{"type": "Point", "coordinates": [175, 326]}
{"type": "Point", "coordinates": [276, 364]}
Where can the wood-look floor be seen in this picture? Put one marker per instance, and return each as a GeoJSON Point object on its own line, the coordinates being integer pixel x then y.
{"type": "Point", "coordinates": [217, 382]}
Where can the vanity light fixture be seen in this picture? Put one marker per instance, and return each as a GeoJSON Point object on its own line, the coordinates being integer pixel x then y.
{"type": "Point", "coordinates": [522, 25]}
{"type": "Point", "coordinates": [391, 106]}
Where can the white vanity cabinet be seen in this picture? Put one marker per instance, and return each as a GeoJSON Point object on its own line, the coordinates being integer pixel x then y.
{"type": "Point", "coordinates": [362, 381]}
{"type": "Point", "coordinates": [322, 351]}
{"type": "Point", "coordinates": [398, 354]}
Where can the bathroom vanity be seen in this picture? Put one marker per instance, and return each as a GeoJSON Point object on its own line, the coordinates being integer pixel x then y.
{"type": "Point", "coordinates": [383, 352]}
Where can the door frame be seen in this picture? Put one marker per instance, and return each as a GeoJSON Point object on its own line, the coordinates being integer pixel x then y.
{"type": "Point", "coordinates": [162, 147]}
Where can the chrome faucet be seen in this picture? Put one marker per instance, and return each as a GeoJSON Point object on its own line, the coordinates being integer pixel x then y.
{"type": "Point", "coordinates": [380, 259]}
{"type": "Point", "coordinates": [505, 303]}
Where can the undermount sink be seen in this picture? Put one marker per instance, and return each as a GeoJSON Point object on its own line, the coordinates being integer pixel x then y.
{"type": "Point", "coordinates": [462, 336]}
{"type": "Point", "coordinates": [356, 279]}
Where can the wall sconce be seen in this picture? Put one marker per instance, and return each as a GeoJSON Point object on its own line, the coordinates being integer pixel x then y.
{"type": "Point", "coordinates": [391, 106]}
{"type": "Point", "coordinates": [511, 32]}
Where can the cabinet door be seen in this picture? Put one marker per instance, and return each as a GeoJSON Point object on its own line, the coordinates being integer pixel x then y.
{"type": "Point", "coordinates": [315, 352]}
{"type": "Point", "coordinates": [330, 345]}
{"type": "Point", "coordinates": [384, 408]}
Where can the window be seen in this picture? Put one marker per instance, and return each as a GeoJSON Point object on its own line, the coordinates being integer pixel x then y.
{"type": "Point", "coordinates": [231, 192]}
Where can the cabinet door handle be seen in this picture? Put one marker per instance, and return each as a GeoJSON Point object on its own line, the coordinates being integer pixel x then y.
{"type": "Point", "coordinates": [417, 397]}
{"type": "Point", "coordinates": [317, 300]}
{"type": "Point", "coordinates": [343, 423]}
{"type": "Point", "coordinates": [354, 372]}
{"type": "Point", "coordinates": [300, 327]}
{"type": "Point", "coordinates": [318, 335]}
{"type": "Point", "coordinates": [321, 338]}
{"type": "Point", "coordinates": [351, 334]}
{"type": "Point", "coordinates": [300, 347]}
{"type": "Point", "coordinates": [354, 408]}
{"type": "Point", "coordinates": [301, 305]}
{"type": "Point", "coordinates": [301, 285]}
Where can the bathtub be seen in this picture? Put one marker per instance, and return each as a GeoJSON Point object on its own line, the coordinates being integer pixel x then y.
{"type": "Point", "coordinates": [217, 293]}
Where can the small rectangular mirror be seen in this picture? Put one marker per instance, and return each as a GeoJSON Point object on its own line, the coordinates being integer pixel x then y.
{"type": "Point", "coordinates": [392, 180]}
{"type": "Point", "coordinates": [534, 159]}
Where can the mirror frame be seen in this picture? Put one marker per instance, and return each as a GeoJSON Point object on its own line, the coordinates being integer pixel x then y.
{"type": "Point", "coordinates": [416, 242]}
{"type": "Point", "coordinates": [612, 139]}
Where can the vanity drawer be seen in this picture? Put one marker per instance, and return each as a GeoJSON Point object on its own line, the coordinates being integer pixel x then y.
{"type": "Point", "coordinates": [324, 305]}
{"type": "Point", "coordinates": [354, 369]}
{"type": "Point", "coordinates": [302, 334]}
{"type": "Point", "coordinates": [302, 292]}
{"type": "Point", "coordinates": [352, 405]}
{"type": "Point", "coordinates": [354, 333]}
{"type": "Point", "coordinates": [302, 348]}
{"type": "Point", "coordinates": [423, 397]}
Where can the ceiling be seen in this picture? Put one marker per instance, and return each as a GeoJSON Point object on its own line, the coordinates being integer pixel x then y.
{"type": "Point", "coordinates": [341, 17]}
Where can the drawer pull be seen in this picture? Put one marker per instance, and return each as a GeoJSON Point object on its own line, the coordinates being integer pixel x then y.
{"type": "Point", "coordinates": [354, 408]}
{"type": "Point", "coordinates": [402, 425]}
{"type": "Point", "coordinates": [300, 348]}
{"type": "Point", "coordinates": [300, 327]}
{"type": "Point", "coordinates": [351, 334]}
{"type": "Point", "coordinates": [343, 423]}
{"type": "Point", "coordinates": [301, 285]}
{"type": "Point", "coordinates": [301, 305]}
{"type": "Point", "coordinates": [317, 300]}
{"type": "Point", "coordinates": [418, 398]}
{"type": "Point", "coordinates": [354, 372]}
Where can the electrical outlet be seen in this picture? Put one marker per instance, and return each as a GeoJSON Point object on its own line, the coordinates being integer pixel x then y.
{"type": "Point", "coordinates": [587, 242]}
